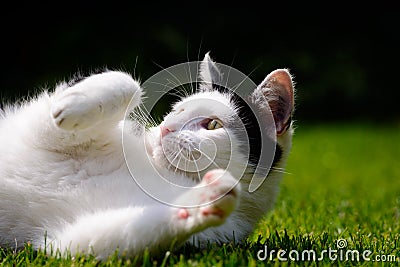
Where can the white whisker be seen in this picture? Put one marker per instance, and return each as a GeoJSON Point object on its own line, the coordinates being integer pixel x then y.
{"type": "Point", "coordinates": [280, 170]}
{"type": "Point", "coordinates": [179, 83]}
{"type": "Point", "coordinates": [179, 160]}
{"type": "Point", "coordinates": [204, 154]}
{"type": "Point", "coordinates": [234, 87]}
{"type": "Point", "coordinates": [143, 117]}
{"type": "Point", "coordinates": [197, 168]}
{"type": "Point", "coordinates": [134, 68]}
{"type": "Point", "coordinates": [176, 155]}
{"type": "Point", "coordinates": [229, 72]}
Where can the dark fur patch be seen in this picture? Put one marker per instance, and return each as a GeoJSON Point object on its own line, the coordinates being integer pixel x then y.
{"type": "Point", "coordinates": [277, 155]}
{"type": "Point", "coordinates": [246, 114]}
{"type": "Point", "coordinates": [250, 122]}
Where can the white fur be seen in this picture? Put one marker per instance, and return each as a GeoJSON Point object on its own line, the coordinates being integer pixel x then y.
{"type": "Point", "coordinates": [63, 174]}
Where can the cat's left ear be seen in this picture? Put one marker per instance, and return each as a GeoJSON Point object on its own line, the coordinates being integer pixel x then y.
{"type": "Point", "coordinates": [209, 74]}
{"type": "Point", "coordinates": [278, 90]}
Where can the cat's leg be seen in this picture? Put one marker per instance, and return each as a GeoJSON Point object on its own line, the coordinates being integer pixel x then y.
{"type": "Point", "coordinates": [155, 227]}
{"type": "Point", "coordinates": [97, 98]}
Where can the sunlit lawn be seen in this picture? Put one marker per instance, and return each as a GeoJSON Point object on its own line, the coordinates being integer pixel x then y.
{"type": "Point", "coordinates": [343, 183]}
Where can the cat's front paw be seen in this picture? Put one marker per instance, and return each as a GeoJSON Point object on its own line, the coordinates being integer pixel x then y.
{"type": "Point", "coordinates": [217, 199]}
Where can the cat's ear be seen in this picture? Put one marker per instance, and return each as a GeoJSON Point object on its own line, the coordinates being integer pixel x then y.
{"type": "Point", "coordinates": [278, 90]}
{"type": "Point", "coordinates": [209, 73]}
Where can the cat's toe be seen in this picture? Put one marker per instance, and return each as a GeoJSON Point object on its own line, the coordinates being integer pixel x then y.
{"type": "Point", "coordinates": [220, 184]}
{"type": "Point", "coordinates": [218, 211]}
{"type": "Point", "coordinates": [217, 200]}
{"type": "Point", "coordinates": [72, 112]}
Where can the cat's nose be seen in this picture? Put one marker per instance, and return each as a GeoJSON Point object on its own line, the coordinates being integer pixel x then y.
{"type": "Point", "coordinates": [164, 131]}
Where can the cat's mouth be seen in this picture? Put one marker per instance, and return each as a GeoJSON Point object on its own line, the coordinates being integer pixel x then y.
{"type": "Point", "coordinates": [178, 148]}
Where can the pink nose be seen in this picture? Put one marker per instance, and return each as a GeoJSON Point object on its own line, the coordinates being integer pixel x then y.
{"type": "Point", "coordinates": [164, 131]}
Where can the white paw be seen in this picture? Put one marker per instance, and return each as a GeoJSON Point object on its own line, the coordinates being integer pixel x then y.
{"type": "Point", "coordinates": [98, 97]}
{"type": "Point", "coordinates": [217, 200]}
{"type": "Point", "coordinates": [74, 111]}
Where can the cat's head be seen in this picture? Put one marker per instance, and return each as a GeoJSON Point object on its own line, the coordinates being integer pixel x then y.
{"type": "Point", "coordinates": [215, 127]}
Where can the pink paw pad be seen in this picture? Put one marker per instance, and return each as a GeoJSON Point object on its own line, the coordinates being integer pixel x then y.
{"type": "Point", "coordinates": [183, 214]}
{"type": "Point", "coordinates": [212, 211]}
{"type": "Point", "coordinates": [210, 177]}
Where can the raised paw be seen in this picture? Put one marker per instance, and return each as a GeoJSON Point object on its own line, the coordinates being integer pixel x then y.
{"type": "Point", "coordinates": [74, 111]}
{"type": "Point", "coordinates": [217, 196]}
{"type": "Point", "coordinates": [98, 97]}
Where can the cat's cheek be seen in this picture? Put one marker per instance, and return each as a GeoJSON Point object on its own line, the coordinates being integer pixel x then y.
{"type": "Point", "coordinates": [159, 158]}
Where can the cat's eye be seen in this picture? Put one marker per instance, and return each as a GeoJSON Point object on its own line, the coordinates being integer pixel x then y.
{"type": "Point", "coordinates": [214, 124]}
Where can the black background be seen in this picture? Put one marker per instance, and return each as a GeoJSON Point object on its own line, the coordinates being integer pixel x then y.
{"type": "Point", "coordinates": [345, 61]}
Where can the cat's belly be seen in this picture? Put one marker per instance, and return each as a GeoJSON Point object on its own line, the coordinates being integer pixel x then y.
{"type": "Point", "coordinates": [42, 195]}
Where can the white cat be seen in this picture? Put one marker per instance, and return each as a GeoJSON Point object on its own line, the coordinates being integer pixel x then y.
{"type": "Point", "coordinates": [64, 176]}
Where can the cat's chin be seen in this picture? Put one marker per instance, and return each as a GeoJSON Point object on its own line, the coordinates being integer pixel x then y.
{"type": "Point", "coordinates": [161, 163]}
{"type": "Point", "coordinates": [154, 148]}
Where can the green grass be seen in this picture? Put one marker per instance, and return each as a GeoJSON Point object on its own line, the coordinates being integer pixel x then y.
{"type": "Point", "coordinates": [343, 182]}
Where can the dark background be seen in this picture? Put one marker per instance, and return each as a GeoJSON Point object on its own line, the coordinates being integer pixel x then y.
{"type": "Point", "coordinates": [345, 62]}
